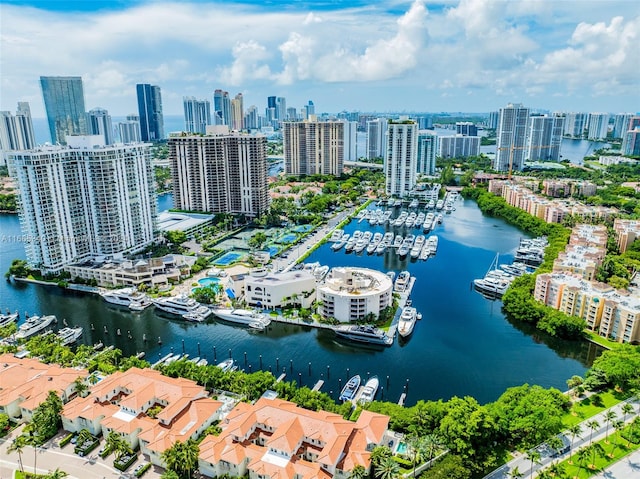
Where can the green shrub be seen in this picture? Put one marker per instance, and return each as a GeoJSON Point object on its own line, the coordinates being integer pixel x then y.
{"type": "Point", "coordinates": [87, 447]}
{"type": "Point", "coordinates": [125, 461]}
{"type": "Point", "coordinates": [144, 469]}
{"type": "Point", "coordinates": [66, 440]}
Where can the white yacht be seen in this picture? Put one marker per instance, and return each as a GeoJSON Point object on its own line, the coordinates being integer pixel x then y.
{"type": "Point", "coordinates": [125, 296]}
{"type": "Point", "coordinates": [414, 203]}
{"type": "Point", "coordinates": [407, 321]}
{"type": "Point", "coordinates": [336, 235]}
{"type": "Point", "coordinates": [369, 390]}
{"type": "Point", "coordinates": [243, 316]}
{"type": "Point", "coordinates": [402, 281]}
{"type": "Point", "coordinates": [181, 305]}
{"type": "Point", "coordinates": [340, 243]}
{"type": "Point", "coordinates": [69, 335]}
{"type": "Point", "coordinates": [491, 285]}
{"type": "Point", "coordinates": [364, 334]}
{"type": "Point", "coordinates": [397, 242]}
{"type": "Point", "coordinates": [7, 319]}
{"type": "Point", "coordinates": [35, 325]}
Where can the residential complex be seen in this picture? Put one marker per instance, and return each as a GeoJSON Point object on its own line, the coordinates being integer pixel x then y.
{"type": "Point", "coordinates": [376, 138]}
{"type": "Point", "coordinates": [575, 124]}
{"type": "Point", "coordinates": [511, 138]}
{"type": "Point", "coordinates": [146, 409]}
{"type": "Point", "coordinates": [64, 104]}
{"type": "Point", "coordinates": [84, 200]}
{"type": "Point", "coordinates": [313, 147]}
{"type": "Point", "coordinates": [277, 439]}
{"type": "Point", "coordinates": [150, 111]}
{"type": "Point", "coordinates": [427, 151]}
{"type": "Point", "coordinates": [16, 132]}
{"type": "Point", "coordinates": [220, 172]}
{"type": "Point", "coordinates": [197, 114]}
{"type": "Point", "coordinates": [351, 294]}
{"type": "Point", "coordinates": [100, 124]}
{"type": "Point", "coordinates": [129, 131]}
{"type": "Point", "coordinates": [544, 138]}
{"type": "Point", "coordinates": [631, 142]}
{"type": "Point", "coordinates": [263, 289]}
{"type": "Point", "coordinates": [458, 146]}
{"type": "Point", "coordinates": [221, 108]}
{"type": "Point", "coordinates": [626, 231]}
{"type": "Point", "coordinates": [350, 148]}
{"type": "Point", "coordinates": [401, 157]}
{"type": "Point", "coordinates": [26, 383]}
{"type": "Point", "coordinates": [597, 126]}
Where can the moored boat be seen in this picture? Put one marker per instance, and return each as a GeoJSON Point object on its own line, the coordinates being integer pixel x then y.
{"type": "Point", "coordinates": [7, 319]}
{"type": "Point", "coordinates": [35, 325]}
{"type": "Point", "coordinates": [69, 335]}
{"type": "Point", "coordinates": [369, 390]}
{"type": "Point", "coordinates": [350, 389]}
{"type": "Point", "coordinates": [364, 334]}
{"type": "Point", "coordinates": [407, 321]}
{"type": "Point", "coordinates": [242, 316]}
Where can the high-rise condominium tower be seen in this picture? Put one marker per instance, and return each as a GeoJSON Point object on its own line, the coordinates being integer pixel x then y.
{"type": "Point", "coordinates": [221, 108]}
{"type": "Point", "coordinates": [458, 146]}
{"type": "Point", "coordinates": [401, 158]}
{"type": "Point", "coordinates": [427, 151]}
{"type": "Point", "coordinates": [544, 138]}
{"type": "Point", "coordinates": [313, 147]}
{"type": "Point", "coordinates": [197, 114]}
{"type": "Point", "coordinates": [620, 124]}
{"type": "Point", "coordinates": [237, 113]}
{"type": "Point", "coordinates": [150, 110]}
{"type": "Point", "coordinates": [350, 140]}
{"type": "Point", "coordinates": [64, 103]}
{"type": "Point", "coordinates": [129, 131]}
{"type": "Point", "coordinates": [574, 124]}
{"type": "Point", "coordinates": [100, 124]}
{"type": "Point", "coordinates": [376, 138]}
{"type": "Point", "coordinates": [598, 126]}
{"type": "Point", "coordinates": [511, 138]}
{"type": "Point", "coordinates": [220, 173]}
{"type": "Point", "coordinates": [85, 200]}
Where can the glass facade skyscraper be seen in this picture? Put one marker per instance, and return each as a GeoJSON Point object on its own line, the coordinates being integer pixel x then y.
{"type": "Point", "coordinates": [150, 110]}
{"type": "Point", "coordinates": [64, 104]}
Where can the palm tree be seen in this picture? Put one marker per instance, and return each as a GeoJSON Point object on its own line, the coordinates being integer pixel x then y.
{"type": "Point", "coordinates": [575, 430]}
{"type": "Point", "coordinates": [17, 445]}
{"type": "Point", "coordinates": [609, 416]}
{"type": "Point", "coordinates": [116, 443]}
{"type": "Point", "coordinates": [533, 456]}
{"type": "Point", "coordinates": [618, 426]}
{"type": "Point", "coordinates": [358, 472]}
{"type": "Point", "coordinates": [387, 469]}
{"type": "Point", "coordinates": [515, 473]}
{"type": "Point", "coordinates": [595, 449]}
{"type": "Point", "coordinates": [80, 386]}
{"type": "Point", "coordinates": [182, 457]}
{"type": "Point", "coordinates": [556, 469]}
{"type": "Point", "coordinates": [583, 454]}
{"type": "Point", "coordinates": [626, 409]}
{"type": "Point", "coordinates": [432, 443]}
{"type": "Point", "coordinates": [379, 454]}
{"type": "Point", "coordinates": [57, 474]}
{"type": "Point", "coordinates": [84, 435]}
{"type": "Point", "coordinates": [593, 425]}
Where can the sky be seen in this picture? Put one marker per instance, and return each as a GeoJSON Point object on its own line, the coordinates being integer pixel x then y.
{"type": "Point", "coordinates": [368, 56]}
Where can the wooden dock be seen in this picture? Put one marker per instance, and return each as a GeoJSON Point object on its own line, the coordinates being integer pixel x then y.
{"type": "Point", "coordinates": [318, 385]}
{"type": "Point", "coordinates": [281, 377]}
{"type": "Point", "coordinates": [403, 396]}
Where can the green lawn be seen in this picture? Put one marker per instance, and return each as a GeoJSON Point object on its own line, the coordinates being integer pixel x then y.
{"type": "Point", "coordinates": [591, 406]}
{"type": "Point", "coordinates": [604, 342]}
{"type": "Point", "coordinates": [617, 447]}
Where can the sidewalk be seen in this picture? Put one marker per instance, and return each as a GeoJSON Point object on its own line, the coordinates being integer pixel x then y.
{"type": "Point", "coordinates": [524, 465]}
{"type": "Point", "coordinates": [625, 468]}
{"type": "Point", "coordinates": [50, 457]}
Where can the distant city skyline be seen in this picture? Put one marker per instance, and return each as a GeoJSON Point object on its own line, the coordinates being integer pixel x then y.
{"type": "Point", "coordinates": [403, 56]}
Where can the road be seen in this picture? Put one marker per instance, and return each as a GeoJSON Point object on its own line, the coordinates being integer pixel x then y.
{"type": "Point", "coordinates": [524, 465]}
{"type": "Point", "coordinates": [50, 457]}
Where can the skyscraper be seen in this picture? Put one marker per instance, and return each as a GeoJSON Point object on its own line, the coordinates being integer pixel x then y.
{"type": "Point", "coordinates": [64, 103]}
{"type": "Point", "coordinates": [150, 110]}
{"type": "Point", "coordinates": [222, 108]}
{"type": "Point", "coordinates": [237, 113]}
{"type": "Point", "coordinates": [350, 140]}
{"type": "Point", "coordinates": [313, 147]}
{"type": "Point", "coordinates": [16, 132]}
{"type": "Point", "coordinates": [24, 127]}
{"type": "Point", "coordinates": [401, 158]}
{"type": "Point", "coordinates": [85, 200]}
{"type": "Point", "coordinates": [631, 142]}
{"type": "Point", "coordinates": [493, 120]}
{"type": "Point", "coordinates": [544, 138]}
{"type": "Point", "coordinates": [511, 138]}
{"type": "Point", "coordinates": [427, 151]}
{"type": "Point", "coordinates": [376, 138]}
{"type": "Point", "coordinates": [308, 110]}
{"type": "Point", "coordinates": [197, 114]}
{"type": "Point", "coordinates": [129, 131]}
{"type": "Point", "coordinates": [220, 173]}
{"type": "Point", "coordinates": [281, 108]}
{"type": "Point", "coordinates": [466, 128]}
{"type": "Point", "coordinates": [597, 126]}
{"type": "Point", "coordinates": [251, 118]}
{"type": "Point", "coordinates": [620, 124]}
{"type": "Point", "coordinates": [458, 146]}
{"type": "Point", "coordinates": [100, 124]}
{"type": "Point", "coordinates": [575, 124]}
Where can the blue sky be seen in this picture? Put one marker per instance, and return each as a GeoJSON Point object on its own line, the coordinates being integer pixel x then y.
{"type": "Point", "coordinates": [393, 55]}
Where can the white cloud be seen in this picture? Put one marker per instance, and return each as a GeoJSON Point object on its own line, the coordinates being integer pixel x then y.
{"type": "Point", "coordinates": [248, 64]}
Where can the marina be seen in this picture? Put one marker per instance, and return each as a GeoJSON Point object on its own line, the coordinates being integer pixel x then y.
{"type": "Point", "coordinates": [467, 243]}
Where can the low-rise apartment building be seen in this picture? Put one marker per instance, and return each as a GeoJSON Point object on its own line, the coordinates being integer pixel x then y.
{"type": "Point", "coordinates": [626, 231]}
{"type": "Point", "coordinates": [274, 290]}
{"type": "Point", "coordinates": [25, 384]}
{"type": "Point", "coordinates": [274, 438]}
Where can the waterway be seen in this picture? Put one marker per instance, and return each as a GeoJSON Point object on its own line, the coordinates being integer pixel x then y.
{"type": "Point", "coordinates": [462, 346]}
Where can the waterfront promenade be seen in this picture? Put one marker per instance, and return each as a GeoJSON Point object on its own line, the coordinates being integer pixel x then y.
{"type": "Point", "coordinates": [523, 463]}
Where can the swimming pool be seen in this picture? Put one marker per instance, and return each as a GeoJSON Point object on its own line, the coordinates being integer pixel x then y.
{"type": "Point", "coordinates": [303, 228]}
{"type": "Point", "coordinates": [402, 448]}
{"type": "Point", "coordinates": [273, 250]}
{"type": "Point", "coordinates": [208, 281]}
{"type": "Point", "coordinates": [287, 239]}
{"type": "Point", "coordinates": [228, 258]}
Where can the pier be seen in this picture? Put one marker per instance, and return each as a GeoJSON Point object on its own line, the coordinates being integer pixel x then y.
{"type": "Point", "coordinates": [318, 385]}
{"type": "Point", "coordinates": [402, 302]}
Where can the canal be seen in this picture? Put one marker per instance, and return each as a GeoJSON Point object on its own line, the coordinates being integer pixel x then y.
{"type": "Point", "coordinates": [464, 345]}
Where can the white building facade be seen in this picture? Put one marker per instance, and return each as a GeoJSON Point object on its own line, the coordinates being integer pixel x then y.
{"type": "Point", "coordinates": [545, 138]}
{"type": "Point", "coordinates": [459, 146]}
{"type": "Point", "coordinates": [376, 138]}
{"type": "Point", "coordinates": [85, 200]}
{"type": "Point", "coordinates": [401, 158]}
{"type": "Point", "coordinates": [427, 151]}
{"type": "Point", "coordinates": [274, 290]}
{"type": "Point", "coordinates": [511, 138]}
{"type": "Point", "coordinates": [313, 147]}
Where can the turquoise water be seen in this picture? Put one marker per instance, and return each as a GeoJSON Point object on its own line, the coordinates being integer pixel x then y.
{"type": "Point", "coordinates": [402, 448]}
{"type": "Point", "coordinates": [208, 281]}
{"type": "Point", "coordinates": [287, 239]}
{"type": "Point", "coordinates": [303, 228]}
{"type": "Point", "coordinates": [273, 250]}
{"type": "Point", "coordinates": [228, 258]}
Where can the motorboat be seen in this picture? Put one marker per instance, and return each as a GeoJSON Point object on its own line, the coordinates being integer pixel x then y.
{"type": "Point", "coordinates": [360, 245]}
{"type": "Point", "coordinates": [227, 365]}
{"type": "Point", "coordinates": [381, 247]}
{"type": "Point", "coordinates": [202, 362]}
{"type": "Point", "coordinates": [336, 235]}
{"type": "Point", "coordinates": [194, 317]}
{"type": "Point", "coordinates": [340, 243]}
{"type": "Point", "coordinates": [407, 321]}
{"type": "Point", "coordinates": [350, 389]}
{"type": "Point", "coordinates": [414, 203]}
{"type": "Point", "coordinates": [490, 285]}
{"type": "Point", "coordinates": [432, 243]}
{"type": "Point", "coordinates": [35, 325]}
{"type": "Point", "coordinates": [320, 272]}
{"type": "Point", "coordinates": [125, 296]}
{"type": "Point", "coordinates": [69, 335]}
{"type": "Point", "coordinates": [181, 305]}
{"type": "Point", "coordinates": [242, 316]}
{"type": "Point", "coordinates": [364, 334]}
{"type": "Point", "coordinates": [7, 319]}
{"type": "Point", "coordinates": [397, 242]}
{"type": "Point", "coordinates": [402, 281]}
{"type": "Point", "coordinates": [139, 305]}
{"type": "Point", "coordinates": [351, 243]}
{"type": "Point", "coordinates": [439, 218]}
{"type": "Point", "coordinates": [439, 204]}
{"type": "Point", "coordinates": [369, 390]}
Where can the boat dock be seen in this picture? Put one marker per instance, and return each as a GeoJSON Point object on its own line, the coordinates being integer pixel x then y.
{"type": "Point", "coordinates": [281, 377]}
{"type": "Point", "coordinates": [318, 385]}
{"type": "Point", "coordinates": [403, 396]}
{"type": "Point", "coordinates": [402, 302]}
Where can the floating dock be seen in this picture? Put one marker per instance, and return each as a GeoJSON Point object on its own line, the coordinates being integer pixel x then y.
{"type": "Point", "coordinates": [318, 385]}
